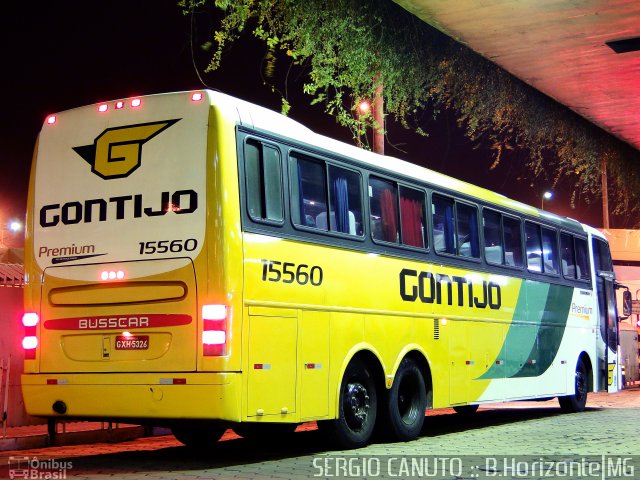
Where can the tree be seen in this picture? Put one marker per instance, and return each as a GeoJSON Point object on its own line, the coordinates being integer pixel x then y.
{"type": "Point", "coordinates": [351, 47]}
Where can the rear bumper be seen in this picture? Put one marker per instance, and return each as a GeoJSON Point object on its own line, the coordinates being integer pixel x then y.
{"type": "Point", "coordinates": [214, 396]}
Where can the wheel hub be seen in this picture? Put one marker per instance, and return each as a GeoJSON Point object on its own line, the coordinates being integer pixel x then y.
{"type": "Point", "coordinates": [356, 405]}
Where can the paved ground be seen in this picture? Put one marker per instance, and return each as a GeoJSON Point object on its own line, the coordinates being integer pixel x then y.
{"type": "Point", "coordinates": [600, 442]}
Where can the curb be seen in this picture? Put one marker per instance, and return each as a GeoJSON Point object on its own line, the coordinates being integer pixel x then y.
{"type": "Point", "coordinates": [121, 434]}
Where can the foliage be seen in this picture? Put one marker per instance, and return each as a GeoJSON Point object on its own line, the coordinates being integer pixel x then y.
{"type": "Point", "coordinates": [349, 47]}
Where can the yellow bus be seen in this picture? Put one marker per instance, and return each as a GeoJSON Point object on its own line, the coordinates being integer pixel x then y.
{"type": "Point", "coordinates": [199, 262]}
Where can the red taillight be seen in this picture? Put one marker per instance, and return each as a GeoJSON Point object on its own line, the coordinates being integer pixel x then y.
{"type": "Point", "coordinates": [214, 330]}
{"type": "Point", "coordinates": [30, 341]}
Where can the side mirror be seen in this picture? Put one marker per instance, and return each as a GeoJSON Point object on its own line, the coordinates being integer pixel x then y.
{"type": "Point", "coordinates": [626, 303]}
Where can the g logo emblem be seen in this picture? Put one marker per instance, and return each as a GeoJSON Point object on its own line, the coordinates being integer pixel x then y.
{"type": "Point", "coordinates": [117, 152]}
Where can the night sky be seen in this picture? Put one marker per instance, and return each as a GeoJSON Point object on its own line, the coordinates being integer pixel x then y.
{"type": "Point", "coordinates": [61, 55]}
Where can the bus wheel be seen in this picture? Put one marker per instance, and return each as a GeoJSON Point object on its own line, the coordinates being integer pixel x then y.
{"type": "Point", "coordinates": [466, 410]}
{"type": "Point", "coordinates": [406, 402]}
{"type": "Point", "coordinates": [265, 431]}
{"type": "Point", "coordinates": [198, 437]}
{"type": "Point", "coordinates": [357, 408]}
{"type": "Point", "coordinates": [577, 401]}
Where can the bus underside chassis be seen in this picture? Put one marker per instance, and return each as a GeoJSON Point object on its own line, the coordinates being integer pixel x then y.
{"type": "Point", "coordinates": [365, 405]}
{"type": "Point", "coordinates": [577, 401]}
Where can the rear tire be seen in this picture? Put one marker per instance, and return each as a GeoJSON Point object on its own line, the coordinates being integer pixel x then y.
{"type": "Point", "coordinates": [405, 403]}
{"type": "Point", "coordinates": [200, 438]}
{"type": "Point", "coordinates": [577, 401]}
{"type": "Point", "coordinates": [357, 408]}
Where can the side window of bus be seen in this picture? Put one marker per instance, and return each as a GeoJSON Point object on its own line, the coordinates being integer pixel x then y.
{"type": "Point", "coordinates": [502, 239]}
{"type": "Point", "coordinates": [567, 255]}
{"type": "Point", "coordinates": [311, 192]}
{"type": "Point", "coordinates": [345, 202]}
{"type": "Point", "coordinates": [412, 217]}
{"type": "Point", "coordinates": [512, 241]}
{"type": "Point", "coordinates": [455, 227]}
{"type": "Point", "coordinates": [542, 249]}
{"type": "Point", "coordinates": [534, 247]}
{"type": "Point", "coordinates": [383, 201]}
{"type": "Point", "coordinates": [443, 224]}
{"type": "Point", "coordinates": [575, 257]}
{"type": "Point", "coordinates": [263, 172]}
{"type": "Point", "coordinates": [467, 230]}
{"type": "Point", "coordinates": [602, 256]}
{"type": "Point", "coordinates": [550, 251]}
{"type": "Point", "coordinates": [583, 270]}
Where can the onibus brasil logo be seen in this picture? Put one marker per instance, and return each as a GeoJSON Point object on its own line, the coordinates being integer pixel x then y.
{"type": "Point", "coordinates": [117, 152]}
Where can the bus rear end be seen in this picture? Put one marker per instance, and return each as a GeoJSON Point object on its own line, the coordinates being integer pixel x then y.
{"type": "Point", "coordinates": [127, 313]}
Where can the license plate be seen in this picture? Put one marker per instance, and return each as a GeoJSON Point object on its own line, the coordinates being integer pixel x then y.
{"type": "Point", "coordinates": [140, 342]}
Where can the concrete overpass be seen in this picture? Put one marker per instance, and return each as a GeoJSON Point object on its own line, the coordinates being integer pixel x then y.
{"type": "Point", "coordinates": [583, 53]}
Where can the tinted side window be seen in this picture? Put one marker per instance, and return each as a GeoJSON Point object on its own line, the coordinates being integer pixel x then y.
{"type": "Point", "coordinates": [383, 201]}
{"type": "Point", "coordinates": [512, 241]}
{"type": "Point", "coordinates": [263, 172]}
{"type": "Point", "coordinates": [412, 217]}
{"type": "Point", "coordinates": [583, 270]}
{"type": "Point", "coordinates": [345, 202]}
{"type": "Point", "coordinates": [309, 191]}
{"type": "Point", "coordinates": [550, 250]}
{"type": "Point", "coordinates": [493, 248]}
{"type": "Point", "coordinates": [567, 256]}
{"type": "Point", "coordinates": [534, 247]}
{"type": "Point", "coordinates": [602, 256]}
{"type": "Point", "coordinates": [443, 225]}
{"type": "Point", "coordinates": [468, 239]}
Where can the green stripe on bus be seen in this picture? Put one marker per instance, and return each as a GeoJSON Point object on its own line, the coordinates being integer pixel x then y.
{"type": "Point", "coordinates": [530, 347]}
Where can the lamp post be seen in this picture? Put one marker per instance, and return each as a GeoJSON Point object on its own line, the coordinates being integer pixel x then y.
{"type": "Point", "coordinates": [546, 196]}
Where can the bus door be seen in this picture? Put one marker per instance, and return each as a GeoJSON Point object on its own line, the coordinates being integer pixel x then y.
{"type": "Point", "coordinates": [607, 317]}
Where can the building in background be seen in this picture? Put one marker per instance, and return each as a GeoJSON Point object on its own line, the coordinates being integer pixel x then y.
{"type": "Point", "coordinates": [625, 249]}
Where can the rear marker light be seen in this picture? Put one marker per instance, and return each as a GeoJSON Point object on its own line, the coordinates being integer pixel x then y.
{"type": "Point", "coordinates": [29, 343]}
{"type": "Point", "coordinates": [196, 97]}
{"type": "Point", "coordinates": [119, 105]}
{"type": "Point", "coordinates": [103, 107]}
{"type": "Point", "coordinates": [136, 102]}
{"type": "Point", "coordinates": [173, 381]}
{"type": "Point", "coordinates": [51, 119]}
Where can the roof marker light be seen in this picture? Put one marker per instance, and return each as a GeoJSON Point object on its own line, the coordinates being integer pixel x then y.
{"type": "Point", "coordinates": [51, 119]}
{"type": "Point", "coordinates": [136, 102]}
{"type": "Point", "coordinates": [103, 107]}
{"type": "Point", "coordinates": [196, 97]}
{"type": "Point", "coordinates": [119, 105]}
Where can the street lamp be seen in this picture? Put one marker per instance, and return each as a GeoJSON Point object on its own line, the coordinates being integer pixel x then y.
{"type": "Point", "coordinates": [546, 196]}
{"type": "Point", "coordinates": [14, 226]}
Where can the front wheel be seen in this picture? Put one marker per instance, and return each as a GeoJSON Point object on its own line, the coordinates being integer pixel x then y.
{"type": "Point", "coordinates": [577, 401]}
{"type": "Point", "coordinates": [357, 408]}
{"type": "Point", "coordinates": [406, 402]}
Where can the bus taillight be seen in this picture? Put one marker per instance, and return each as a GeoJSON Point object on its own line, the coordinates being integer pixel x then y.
{"type": "Point", "coordinates": [214, 330]}
{"type": "Point", "coordinates": [30, 341]}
